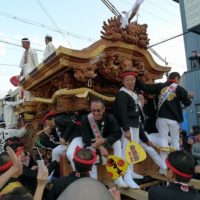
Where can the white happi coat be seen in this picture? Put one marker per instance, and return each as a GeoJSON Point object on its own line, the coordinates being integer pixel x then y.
{"type": "Point", "coordinates": [10, 118]}
{"type": "Point", "coordinates": [50, 48]}
{"type": "Point", "coordinates": [32, 61]}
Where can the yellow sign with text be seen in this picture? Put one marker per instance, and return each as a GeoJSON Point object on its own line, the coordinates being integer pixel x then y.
{"type": "Point", "coordinates": [134, 153]}
{"type": "Point", "coordinates": [115, 166]}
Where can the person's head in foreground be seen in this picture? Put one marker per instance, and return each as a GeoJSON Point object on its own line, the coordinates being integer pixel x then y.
{"type": "Point", "coordinates": [84, 159]}
{"type": "Point", "coordinates": [180, 166]}
{"type": "Point", "coordinates": [86, 189]}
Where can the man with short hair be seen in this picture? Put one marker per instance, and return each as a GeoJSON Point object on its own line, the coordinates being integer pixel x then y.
{"type": "Point", "coordinates": [101, 130]}
{"type": "Point", "coordinates": [50, 48]}
{"type": "Point", "coordinates": [181, 166]}
{"type": "Point", "coordinates": [29, 59]}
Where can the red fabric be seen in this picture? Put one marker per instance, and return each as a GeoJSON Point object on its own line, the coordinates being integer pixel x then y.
{"type": "Point", "coordinates": [172, 81]}
{"type": "Point", "coordinates": [48, 115]}
{"type": "Point", "coordinates": [176, 171]}
{"type": "Point", "coordinates": [128, 73]}
{"type": "Point", "coordinates": [15, 80]}
{"type": "Point", "coordinates": [9, 164]}
{"type": "Point", "coordinates": [86, 162]}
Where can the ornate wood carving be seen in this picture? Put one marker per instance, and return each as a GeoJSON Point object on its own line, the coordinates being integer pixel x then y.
{"type": "Point", "coordinates": [132, 34]}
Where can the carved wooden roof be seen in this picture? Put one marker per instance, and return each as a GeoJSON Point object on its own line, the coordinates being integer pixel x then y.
{"type": "Point", "coordinates": [103, 58]}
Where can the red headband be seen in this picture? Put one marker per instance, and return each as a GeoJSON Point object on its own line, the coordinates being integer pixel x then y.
{"type": "Point", "coordinates": [176, 171]}
{"type": "Point", "coordinates": [9, 164]}
{"type": "Point", "coordinates": [124, 74]}
{"type": "Point", "coordinates": [172, 80]}
{"type": "Point", "coordinates": [49, 114]}
{"type": "Point", "coordinates": [85, 162]}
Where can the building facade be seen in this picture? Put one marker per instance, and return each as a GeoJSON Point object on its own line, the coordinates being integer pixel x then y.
{"type": "Point", "coordinates": [190, 17]}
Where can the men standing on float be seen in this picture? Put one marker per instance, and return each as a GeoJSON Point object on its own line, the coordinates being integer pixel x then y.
{"type": "Point", "coordinates": [29, 59]}
{"type": "Point", "coordinates": [126, 110]}
{"type": "Point", "coordinates": [50, 48]}
{"type": "Point", "coordinates": [171, 95]}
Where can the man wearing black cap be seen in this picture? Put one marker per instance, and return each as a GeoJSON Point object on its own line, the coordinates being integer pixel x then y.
{"type": "Point", "coordinates": [50, 48]}
{"type": "Point", "coordinates": [29, 59]}
{"type": "Point", "coordinates": [181, 167]}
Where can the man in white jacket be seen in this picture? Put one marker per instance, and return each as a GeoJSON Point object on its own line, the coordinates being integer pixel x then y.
{"type": "Point", "coordinates": [10, 118]}
{"type": "Point", "coordinates": [9, 133]}
{"type": "Point", "coordinates": [50, 48]}
{"type": "Point", "coordinates": [28, 62]}
{"type": "Point", "coordinates": [29, 59]}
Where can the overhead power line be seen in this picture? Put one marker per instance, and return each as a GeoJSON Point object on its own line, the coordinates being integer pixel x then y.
{"type": "Point", "coordinates": [153, 15]}
{"type": "Point", "coordinates": [111, 7]}
{"type": "Point", "coordinates": [46, 27]}
{"type": "Point", "coordinates": [161, 8]}
{"type": "Point", "coordinates": [14, 49]}
{"type": "Point", "coordinates": [168, 39]}
{"type": "Point", "coordinates": [3, 64]}
{"type": "Point", "coordinates": [51, 19]}
{"type": "Point", "coordinates": [19, 40]}
{"type": "Point", "coordinates": [17, 45]}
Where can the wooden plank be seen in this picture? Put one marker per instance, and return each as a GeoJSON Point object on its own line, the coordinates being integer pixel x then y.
{"type": "Point", "coordinates": [137, 194]}
{"type": "Point", "coordinates": [156, 175]}
{"type": "Point", "coordinates": [151, 183]}
{"type": "Point", "coordinates": [195, 183]}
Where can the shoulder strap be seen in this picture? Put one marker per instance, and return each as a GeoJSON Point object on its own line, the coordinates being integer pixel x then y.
{"type": "Point", "coordinates": [171, 88]}
{"type": "Point", "coordinates": [93, 125]}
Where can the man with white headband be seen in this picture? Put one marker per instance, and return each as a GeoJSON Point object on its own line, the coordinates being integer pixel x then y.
{"type": "Point", "coordinates": [29, 59]}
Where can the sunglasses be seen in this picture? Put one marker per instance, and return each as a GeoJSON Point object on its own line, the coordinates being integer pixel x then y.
{"type": "Point", "coordinates": [96, 110]}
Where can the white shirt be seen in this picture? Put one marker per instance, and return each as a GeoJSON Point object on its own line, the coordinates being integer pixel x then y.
{"type": "Point", "coordinates": [9, 133]}
{"type": "Point", "coordinates": [10, 118]}
{"type": "Point", "coordinates": [32, 61]}
{"type": "Point", "coordinates": [50, 48]}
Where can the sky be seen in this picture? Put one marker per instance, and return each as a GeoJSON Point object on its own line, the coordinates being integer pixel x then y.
{"type": "Point", "coordinates": [81, 22]}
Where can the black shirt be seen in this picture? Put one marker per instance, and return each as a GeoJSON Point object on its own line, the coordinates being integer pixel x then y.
{"type": "Point", "coordinates": [126, 111]}
{"type": "Point", "coordinates": [171, 108]}
{"type": "Point", "coordinates": [62, 183]}
{"type": "Point", "coordinates": [108, 126]}
{"type": "Point", "coordinates": [172, 192]}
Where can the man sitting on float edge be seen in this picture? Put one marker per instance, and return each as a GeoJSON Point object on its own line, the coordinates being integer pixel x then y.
{"type": "Point", "coordinates": [181, 167]}
{"type": "Point", "coordinates": [100, 129]}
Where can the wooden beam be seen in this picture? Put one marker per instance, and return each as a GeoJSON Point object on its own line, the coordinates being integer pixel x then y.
{"type": "Point", "coordinates": [150, 183]}
{"type": "Point", "coordinates": [137, 194]}
{"type": "Point", "coordinates": [156, 175]}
